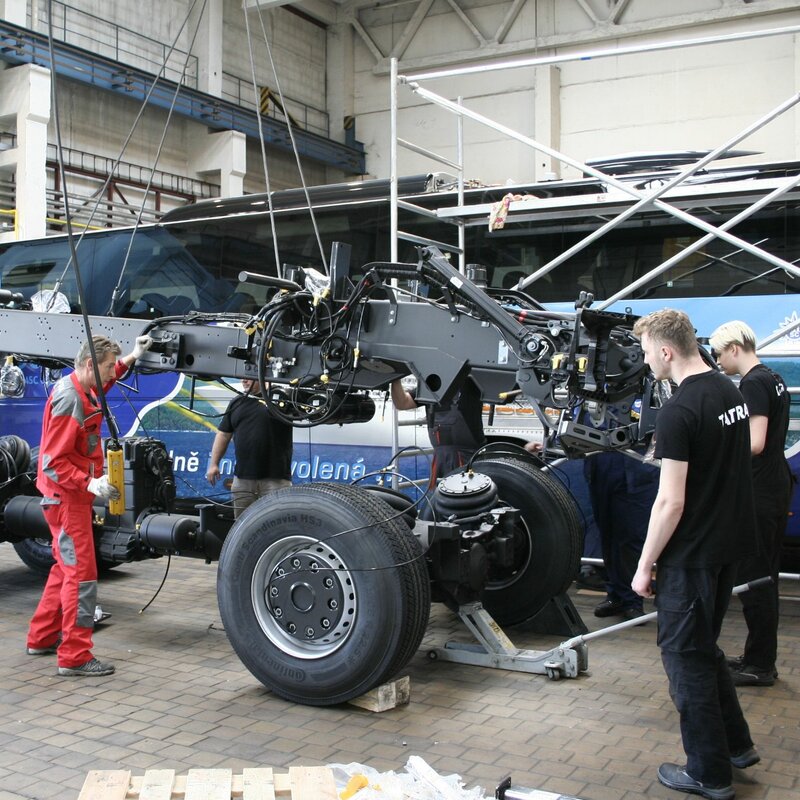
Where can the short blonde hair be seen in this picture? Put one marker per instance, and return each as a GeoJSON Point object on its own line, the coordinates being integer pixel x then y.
{"type": "Point", "coordinates": [733, 332]}
{"type": "Point", "coordinates": [669, 326]}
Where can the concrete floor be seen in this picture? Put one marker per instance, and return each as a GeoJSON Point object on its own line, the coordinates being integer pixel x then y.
{"type": "Point", "coordinates": [181, 699]}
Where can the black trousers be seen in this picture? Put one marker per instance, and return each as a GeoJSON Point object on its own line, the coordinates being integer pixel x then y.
{"type": "Point", "coordinates": [691, 606]}
{"type": "Point", "coordinates": [760, 605]}
{"type": "Point", "coordinates": [622, 492]}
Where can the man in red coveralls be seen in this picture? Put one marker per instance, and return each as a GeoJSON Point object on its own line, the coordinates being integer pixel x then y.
{"type": "Point", "coordinates": [70, 478]}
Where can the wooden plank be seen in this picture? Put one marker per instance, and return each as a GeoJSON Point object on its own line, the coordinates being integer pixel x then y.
{"type": "Point", "coordinates": [386, 696]}
{"type": "Point", "coordinates": [209, 784]}
{"type": "Point", "coordinates": [312, 783]}
{"type": "Point", "coordinates": [258, 784]}
{"type": "Point", "coordinates": [157, 784]}
{"type": "Point", "coordinates": [107, 784]}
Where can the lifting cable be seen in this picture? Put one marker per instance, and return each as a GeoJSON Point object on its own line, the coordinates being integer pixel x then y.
{"type": "Point", "coordinates": [290, 129]}
{"type": "Point", "coordinates": [101, 395]}
{"type": "Point", "coordinates": [175, 96]}
{"type": "Point", "coordinates": [118, 159]}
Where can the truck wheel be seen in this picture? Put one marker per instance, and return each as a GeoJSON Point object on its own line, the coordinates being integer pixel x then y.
{"type": "Point", "coordinates": [36, 554]}
{"type": "Point", "coordinates": [551, 539]}
{"type": "Point", "coordinates": [321, 597]}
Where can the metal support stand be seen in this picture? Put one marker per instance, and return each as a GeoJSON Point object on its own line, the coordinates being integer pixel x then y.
{"type": "Point", "coordinates": [496, 650]}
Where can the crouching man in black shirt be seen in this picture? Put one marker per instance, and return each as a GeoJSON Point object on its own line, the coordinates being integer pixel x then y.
{"type": "Point", "coordinates": [701, 525]}
{"type": "Point", "coordinates": [764, 391]}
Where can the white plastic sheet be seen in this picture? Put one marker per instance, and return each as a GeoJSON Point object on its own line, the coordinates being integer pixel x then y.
{"type": "Point", "coordinates": [419, 782]}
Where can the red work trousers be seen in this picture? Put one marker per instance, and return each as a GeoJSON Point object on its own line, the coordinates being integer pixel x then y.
{"type": "Point", "coordinates": [70, 594]}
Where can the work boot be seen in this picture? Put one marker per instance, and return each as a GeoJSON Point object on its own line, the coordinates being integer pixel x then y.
{"type": "Point", "coordinates": [91, 669]}
{"type": "Point", "coordinates": [43, 651]}
{"type": "Point", "coordinates": [746, 758]}
{"type": "Point", "coordinates": [675, 777]}
{"type": "Point", "coordinates": [609, 608]}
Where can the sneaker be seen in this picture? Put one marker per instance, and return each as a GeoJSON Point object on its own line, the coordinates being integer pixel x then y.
{"type": "Point", "coordinates": [91, 669]}
{"type": "Point", "coordinates": [675, 777]}
{"type": "Point", "coordinates": [609, 608]}
{"type": "Point", "coordinates": [736, 665]}
{"type": "Point", "coordinates": [631, 612]}
{"type": "Point", "coordinates": [591, 579]}
{"type": "Point", "coordinates": [43, 651]}
{"type": "Point", "coordinates": [747, 675]}
{"type": "Point", "coordinates": [746, 758]}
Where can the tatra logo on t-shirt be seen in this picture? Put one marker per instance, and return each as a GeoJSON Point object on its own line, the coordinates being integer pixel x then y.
{"type": "Point", "coordinates": [734, 414]}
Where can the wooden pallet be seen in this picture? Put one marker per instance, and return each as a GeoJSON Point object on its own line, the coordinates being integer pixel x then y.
{"type": "Point", "coordinates": [300, 783]}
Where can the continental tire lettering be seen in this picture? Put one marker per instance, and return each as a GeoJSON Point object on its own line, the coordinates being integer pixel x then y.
{"type": "Point", "coordinates": [285, 670]}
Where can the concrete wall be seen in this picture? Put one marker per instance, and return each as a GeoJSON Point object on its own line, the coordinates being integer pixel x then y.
{"type": "Point", "coordinates": [98, 122]}
{"type": "Point", "coordinates": [693, 98]}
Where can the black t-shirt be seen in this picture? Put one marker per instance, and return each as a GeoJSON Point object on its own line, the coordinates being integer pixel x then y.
{"type": "Point", "coordinates": [766, 396]}
{"type": "Point", "coordinates": [706, 424]}
{"type": "Point", "coordinates": [263, 444]}
{"type": "Point", "coordinates": [459, 421]}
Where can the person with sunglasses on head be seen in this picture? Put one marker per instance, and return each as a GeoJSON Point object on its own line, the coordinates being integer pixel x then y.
{"type": "Point", "coordinates": [734, 347]}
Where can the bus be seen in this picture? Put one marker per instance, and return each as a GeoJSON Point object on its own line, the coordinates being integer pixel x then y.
{"type": "Point", "coordinates": [191, 260]}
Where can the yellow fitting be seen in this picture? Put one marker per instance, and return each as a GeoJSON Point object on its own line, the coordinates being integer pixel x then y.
{"type": "Point", "coordinates": [582, 363]}
{"type": "Point", "coordinates": [324, 378]}
{"type": "Point", "coordinates": [557, 360]}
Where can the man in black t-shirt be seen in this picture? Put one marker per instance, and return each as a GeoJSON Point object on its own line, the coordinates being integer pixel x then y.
{"type": "Point", "coordinates": [702, 524]}
{"type": "Point", "coordinates": [764, 391]}
{"type": "Point", "coordinates": [455, 427]}
{"type": "Point", "coordinates": [263, 448]}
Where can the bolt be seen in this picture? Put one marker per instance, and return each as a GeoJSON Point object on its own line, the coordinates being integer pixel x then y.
{"type": "Point", "coordinates": [281, 572]}
{"type": "Point", "coordinates": [325, 623]}
{"type": "Point", "coordinates": [310, 632]}
{"type": "Point", "coordinates": [328, 583]}
{"type": "Point", "coordinates": [291, 627]}
{"type": "Point", "coordinates": [277, 611]}
{"type": "Point", "coordinates": [273, 591]}
{"type": "Point", "coordinates": [333, 604]}
{"type": "Point", "coordinates": [295, 562]}
{"type": "Point", "coordinates": [314, 567]}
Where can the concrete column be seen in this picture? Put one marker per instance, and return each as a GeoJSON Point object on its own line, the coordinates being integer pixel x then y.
{"type": "Point", "coordinates": [15, 12]}
{"type": "Point", "coordinates": [547, 119]}
{"type": "Point", "coordinates": [208, 47]}
{"type": "Point", "coordinates": [25, 110]}
{"type": "Point", "coordinates": [341, 80]}
{"type": "Point", "coordinates": [221, 156]}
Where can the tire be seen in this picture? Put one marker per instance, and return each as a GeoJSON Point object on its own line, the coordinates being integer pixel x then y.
{"type": "Point", "coordinates": [552, 535]}
{"type": "Point", "coordinates": [36, 554]}
{"type": "Point", "coordinates": [334, 544]}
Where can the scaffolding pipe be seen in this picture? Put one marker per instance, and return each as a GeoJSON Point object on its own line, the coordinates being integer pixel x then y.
{"type": "Point", "coordinates": [610, 180]}
{"type": "Point", "coordinates": [588, 55]}
{"type": "Point", "coordinates": [648, 199]}
{"type": "Point", "coordinates": [775, 194]}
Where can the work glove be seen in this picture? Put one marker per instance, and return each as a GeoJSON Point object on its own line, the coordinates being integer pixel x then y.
{"type": "Point", "coordinates": [103, 488]}
{"type": "Point", "coordinates": [141, 346]}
